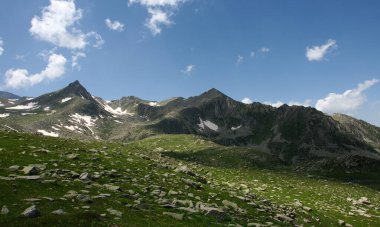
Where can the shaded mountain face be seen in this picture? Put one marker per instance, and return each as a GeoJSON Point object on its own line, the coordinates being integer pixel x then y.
{"type": "Point", "coordinates": [8, 95]}
{"type": "Point", "coordinates": [292, 133]}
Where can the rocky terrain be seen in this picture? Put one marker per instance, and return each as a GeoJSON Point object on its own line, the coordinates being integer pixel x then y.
{"type": "Point", "coordinates": [52, 181]}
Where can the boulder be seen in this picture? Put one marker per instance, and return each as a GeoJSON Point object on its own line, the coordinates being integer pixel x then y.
{"type": "Point", "coordinates": [31, 212]}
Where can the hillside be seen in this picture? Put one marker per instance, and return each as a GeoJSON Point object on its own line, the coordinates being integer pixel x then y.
{"type": "Point", "coordinates": [295, 135]}
{"type": "Point", "coordinates": [149, 182]}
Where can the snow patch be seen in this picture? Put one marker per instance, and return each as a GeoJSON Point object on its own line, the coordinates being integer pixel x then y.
{"type": "Point", "coordinates": [235, 128]}
{"type": "Point", "coordinates": [4, 115]}
{"type": "Point", "coordinates": [47, 108]}
{"type": "Point", "coordinates": [54, 128]}
{"type": "Point", "coordinates": [29, 98]}
{"type": "Point", "coordinates": [203, 124]}
{"type": "Point", "coordinates": [29, 106]}
{"type": "Point", "coordinates": [87, 121]}
{"type": "Point", "coordinates": [153, 104]}
{"type": "Point", "coordinates": [24, 114]}
{"type": "Point", "coordinates": [117, 111]}
{"type": "Point", "coordinates": [45, 133]}
{"type": "Point", "coordinates": [66, 99]}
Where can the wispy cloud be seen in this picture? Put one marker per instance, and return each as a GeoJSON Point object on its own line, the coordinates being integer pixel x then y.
{"type": "Point", "coordinates": [160, 12]}
{"type": "Point", "coordinates": [157, 18]}
{"type": "Point", "coordinates": [75, 58]}
{"type": "Point", "coordinates": [188, 70]}
{"type": "Point", "coordinates": [317, 53]}
{"type": "Point", "coordinates": [346, 102]}
{"type": "Point", "coordinates": [264, 50]}
{"type": "Point", "coordinates": [114, 25]}
{"type": "Point", "coordinates": [239, 60]}
{"type": "Point", "coordinates": [57, 23]}
{"type": "Point", "coordinates": [18, 78]}
{"type": "Point", "coordinates": [1, 46]}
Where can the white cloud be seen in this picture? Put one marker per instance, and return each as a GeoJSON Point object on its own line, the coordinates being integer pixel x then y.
{"type": "Point", "coordinates": [75, 58]}
{"type": "Point", "coordinates": [189, 69]}
{"type": "Point", "coordinates": [157, 3]}
{"type": "Point", "coordinates": [346, 102]}
{"type": "Point", "coordinates": [160, 12]}
{"type": "Point", "coordinates": [317, 53]}
{"type": "Point", "coordinates": [274, 104]}
{"type": "Point", "coordinates": [114, 25]}
{"type": "Point", "coordinates": [264, 49]}
{"type": "Point", "coordinates": [277, 104]}
{"type": "Point", "coordinates": [305, 103]}
{"type": "Point", "coordinates": [18, 78]}
{"type": "Point", "coordinates": [247, 101]}
{"type": "Point", "coordinates": [56, 25]}
{"type": "Point", "coordinates": [157, 18]}
{"type": "Point", "coordinates": [239, 60]}
{"type": "Point", "coordinates": [1, 46]}
{"type": "Point", "coordinates": [252, 54]}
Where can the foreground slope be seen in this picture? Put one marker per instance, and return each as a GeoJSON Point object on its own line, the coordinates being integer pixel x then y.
{"type": "Point", "coordinates": [149, 182]}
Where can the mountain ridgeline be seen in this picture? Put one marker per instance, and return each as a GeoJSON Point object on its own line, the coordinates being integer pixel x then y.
{"type": "Point", "coordinates": [293, 134]}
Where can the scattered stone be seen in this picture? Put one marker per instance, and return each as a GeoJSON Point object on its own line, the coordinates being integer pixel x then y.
{"type": "Point", "coordinates": [341, 222]}
{"type": "Point", "coordinates": [59, 212]}
{"type": "Point", "coordinates": [112, 187]}
{"type": "Point", "coordinates": [31, 212]}
{"type": "Point", "coordinates": [174, 215]}
{"type": "Point", "coordinates": [30, 170]}
{"type": "Point", "coordinates": [72, 156]}
{"type": "Point", "coordinates": [4, 210]}
{"type": "Point", "coordinates": [307, 208]}
{"type": "Point", "coordinates": [191, 183]}
{"type": "Point", "coordinates": [85, 176]}
{"type": "Point", "coordinates": [229, 204]}
{"type": "Point", "coordinates": [84, 198]}
{"type": "Point", "coordinates": [283, 217]}
{"type": "Point", "coordinates": [221, 216]}
{"type": "Point", "coordinates": [114, 212]}
{"type": "Point", "coordinates": [36, 177]}
{"type": "Point", "coordinates": [306, 220]}
{"type": "Point", "coordinates": [14, 168]}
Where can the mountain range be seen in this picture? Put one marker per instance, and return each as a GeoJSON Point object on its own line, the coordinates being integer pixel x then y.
{"type": "Point", "coordinates": [291, 134]}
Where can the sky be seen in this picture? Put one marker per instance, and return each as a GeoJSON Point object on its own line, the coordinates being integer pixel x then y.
{"type": "Point", "coordinates": [323, 54]}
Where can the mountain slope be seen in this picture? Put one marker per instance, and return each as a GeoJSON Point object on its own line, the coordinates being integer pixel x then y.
{"type": "Point", "coordinates": [294, 134]}
{"type": "Point", "coordinates": [8, 95]}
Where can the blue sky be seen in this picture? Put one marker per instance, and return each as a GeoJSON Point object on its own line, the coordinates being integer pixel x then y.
{"type": "Point", "coordinates": [323, 54]}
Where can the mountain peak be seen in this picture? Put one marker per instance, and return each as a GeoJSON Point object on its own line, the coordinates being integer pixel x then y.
{"type": "Point", "coordinates": [213, 92]}
{"type": "Point", "coordinates": [76, 88]}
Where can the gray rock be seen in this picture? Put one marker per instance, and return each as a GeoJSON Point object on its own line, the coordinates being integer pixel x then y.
{"type": "Point", "coordinates": [4, 210]}
{"type": "Point", "coordinates": [84, 198]}
{"type": "Point", "coordinates": [112, 187]}
{"type": "Point", "coordinates": [30, 170]}
{"type": "Point", "coordinates": [229, 204]}
{"type": "Point", "coordinates": [36, 177]}
{"type": "Point", "coordinates": [31, 212]}
{"type": "Point", "coordinates": [85, 176]}
{"type": "Point", "coordinates": [72, 156]}
{"type": "Point", "coordinates": [14, 168]}
{"type": "Point", "coordinates": [114, 212]}
{"type": "Point", "coordinates": [341, 222]}
{"type": "Point", "coordinates": [174, 215]}
{"type": "Point", "coordinates": [59, 212]}
{"type": "Point", "coordinates": [219, 215]}
{"type": "Point", "coordinates": [284, 218]}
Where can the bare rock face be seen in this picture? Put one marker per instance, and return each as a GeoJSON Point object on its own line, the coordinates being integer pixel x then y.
{"type": "Point", "coordinates": [31, 212]}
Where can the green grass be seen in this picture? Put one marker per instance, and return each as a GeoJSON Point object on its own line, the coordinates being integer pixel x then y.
{"type": "Point", "coordinates": [149, 164]}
